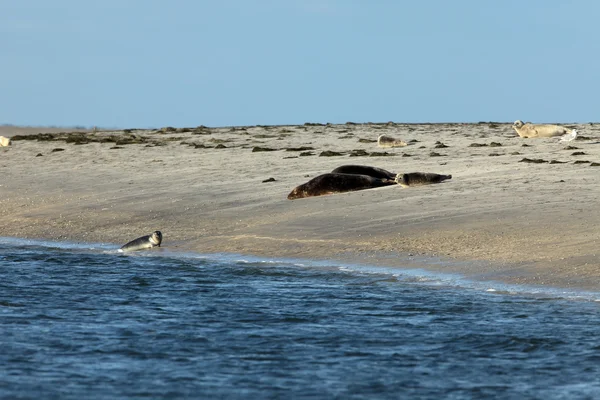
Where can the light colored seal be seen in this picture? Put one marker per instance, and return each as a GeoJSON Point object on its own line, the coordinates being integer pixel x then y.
{"type": "Point", "coordinates": [365, 170]}
{"type": "Point", "coordinates": [4, 141]}
{"type": "Point", "coordinates": [420, 178]}
{"type": "Point", "coordinates": [144, 242]}
{"type": "Point", "coordinates": [388, 141]}
{"type": "Point", "coordinates": [539, 131]}
{"type": "Point", "coordinates": [336, 183]}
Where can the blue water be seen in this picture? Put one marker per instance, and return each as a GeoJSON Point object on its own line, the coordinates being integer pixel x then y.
{"type": "Point", "coordinates": [83, 322]}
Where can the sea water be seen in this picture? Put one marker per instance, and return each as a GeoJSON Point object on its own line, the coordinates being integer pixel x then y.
{"type": "Point", "coordinates": [85, 322]}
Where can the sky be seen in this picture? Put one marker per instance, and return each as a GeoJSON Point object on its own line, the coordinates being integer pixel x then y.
{"type": "Point", "coordinates": [184, 63]}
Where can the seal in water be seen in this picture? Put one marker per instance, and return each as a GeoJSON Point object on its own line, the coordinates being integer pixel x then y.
{"type": "Point", "coordinates": [336, 183]}
{"type": "Point", "coordinates": [539, 131]}
{"type": "Point", "coordinates": [365, 170]}
{"type": "Point", "coordinates": [144, 242]}
{"type": "Point", "coordinates": [420, 178]}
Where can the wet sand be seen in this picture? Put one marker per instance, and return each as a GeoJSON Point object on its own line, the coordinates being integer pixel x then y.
{"type": "Point", "coordinates": [516, 210]}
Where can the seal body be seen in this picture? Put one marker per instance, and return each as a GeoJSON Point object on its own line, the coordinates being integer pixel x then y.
{"type": "Point", "coordinates": [4, 141]}
{"type": "Point", "coordinates": [337, 183]}
{"type": "Point", "coordinates": [144, 242]}
{"type": "Point", "coordinates": [420, 178]}
{"type": "Point", "coordinates": [365, 170]}
{"type": "Point", "coordinates": [388, 141]}
{"type": "Point", "coordinates": [539, 131]}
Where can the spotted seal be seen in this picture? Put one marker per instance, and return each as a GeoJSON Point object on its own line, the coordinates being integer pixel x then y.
{"type": "Point", "coordinates": [365, 170]}
{"type": "Point", "coordinates": [332, 183]}
{"type": "Point", "coordinates": [539, 131]}
{"type": "Point", "coordinates": [389, 141]}
{"type": "Point", "coordinates": [420, 178]}
{"type": "Point", "coordinates": [144, 242]}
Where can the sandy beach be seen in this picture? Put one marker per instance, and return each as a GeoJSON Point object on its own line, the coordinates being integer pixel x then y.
{"type": "Point", "coordinates": [517, 210]}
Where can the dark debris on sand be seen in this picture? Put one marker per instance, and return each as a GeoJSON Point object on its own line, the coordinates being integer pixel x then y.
{"type": "Point", "coordinates": [84, 138]}
{"type": "Point", "coordinates": [257, 149]}
{"type": "Point", "coordinates": [329, 153]}
{"type": "Point", "coordinates": [533, 160]}
{"type": "Point", "coordinates": [359, 153]}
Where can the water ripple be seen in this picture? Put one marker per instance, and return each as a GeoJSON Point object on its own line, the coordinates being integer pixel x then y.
{"type": "Point", "coordinates": [85, 323]}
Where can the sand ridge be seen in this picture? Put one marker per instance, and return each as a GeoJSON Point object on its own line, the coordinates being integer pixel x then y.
{"type": "Point", "coordinates": [520, 210]}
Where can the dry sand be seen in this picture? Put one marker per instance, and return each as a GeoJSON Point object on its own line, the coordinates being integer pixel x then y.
{"type": "Point", "coordinates": [498, 218]}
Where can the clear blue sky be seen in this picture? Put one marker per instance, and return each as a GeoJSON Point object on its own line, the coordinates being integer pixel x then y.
{"type": "Point", "coordinates": [150, 63]}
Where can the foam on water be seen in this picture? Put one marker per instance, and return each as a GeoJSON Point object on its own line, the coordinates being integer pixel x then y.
{"type": "Point", "coordinates": [82, 321]}
{"type": "Point", "coordinates": [406, 275]}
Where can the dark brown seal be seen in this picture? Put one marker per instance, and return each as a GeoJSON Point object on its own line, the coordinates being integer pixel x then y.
{"type": "Point", "coordinates": [420, 178]}
{"type": "Point", "coordinates": [365, 170]}
{"type": "Point", "coordinates": [337, 183]}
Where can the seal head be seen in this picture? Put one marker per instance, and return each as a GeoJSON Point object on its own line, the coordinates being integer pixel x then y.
{"type": "Point", "coordinates": [518, 124]}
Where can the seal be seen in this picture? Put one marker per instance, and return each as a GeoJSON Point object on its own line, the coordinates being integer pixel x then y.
{"type": "Point", "coordinates": [332, 183]}
{"type": "Point", "coordinates": [539, 131]}
{"type": "Point", "coordinates": [4, 141]}
{"type": "Point", "coordinates": [420, 178]}
{"type": "Point", "coordinates": [388, 141]}
{"type": "Point", "coordinates": [365, 170]}
{"type": "Point", "coordinates": [144, 242]}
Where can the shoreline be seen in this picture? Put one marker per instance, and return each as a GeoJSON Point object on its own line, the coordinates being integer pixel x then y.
{"type": "Point", "coordinates": [426, 269]}
{"type": "Point", "coordinates": [527, 223]}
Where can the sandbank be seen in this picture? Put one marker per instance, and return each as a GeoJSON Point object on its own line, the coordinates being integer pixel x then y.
{"type": "Point", "coordinates": [517, 210]}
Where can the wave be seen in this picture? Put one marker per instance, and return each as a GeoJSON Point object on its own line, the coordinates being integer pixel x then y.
{"type": "Point", "coordinates": [415, 276]}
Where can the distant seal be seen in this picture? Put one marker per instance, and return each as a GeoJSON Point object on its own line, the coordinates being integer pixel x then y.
{"type": "Point", "coordinates": [4, 141]}
{"type": "Point", "coordinates": [365, 170]}
{"type": "Point", "coordinates": [337, 183]}
{"type": "Point", "coordinates": [144, 242]}
{"type": "Point", "coordinates": [539, 131]}
{"type": "Point", "coordinates": [420, 178]}
{"type": "Point", "coordinates": [388, 141]}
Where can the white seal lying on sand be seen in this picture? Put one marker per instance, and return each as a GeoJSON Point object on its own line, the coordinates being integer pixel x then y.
{"type": "Point", "coordinates": [539, 131]}
{"type": "Point", "coordinates": [4, 141]}
{"type": "Point", "coordinates": [144, 242]}
{"type": "Point", "coordinates": [388, 141]}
